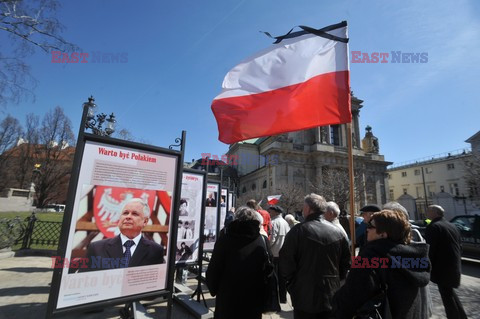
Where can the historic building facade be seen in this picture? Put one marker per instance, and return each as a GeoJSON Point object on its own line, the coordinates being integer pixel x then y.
{"type": "Point", "coordinates": [313, 160]}
{"type": "Point", "coordinates": [446, 179]}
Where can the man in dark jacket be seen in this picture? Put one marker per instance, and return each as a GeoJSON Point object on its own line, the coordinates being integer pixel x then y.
{"type": "Point", "coordinates": [361, 230]}
{"type": "Point", "coordinates": [445, 256]}
{"type": "Point", "coordinates": [313, 259]}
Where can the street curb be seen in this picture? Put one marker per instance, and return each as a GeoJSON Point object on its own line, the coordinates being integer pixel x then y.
{"type": "Point", "coordinates": [35, 253]}
{"type": "Point", "coordinates": [6, 254]}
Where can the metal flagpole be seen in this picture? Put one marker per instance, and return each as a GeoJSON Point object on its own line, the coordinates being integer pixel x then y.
{"type": "Point", "coordinates": [352, 186]}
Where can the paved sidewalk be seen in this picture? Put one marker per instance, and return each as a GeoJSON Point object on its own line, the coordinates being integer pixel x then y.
{"type": "Point", "coordinates": [25, 284]}
{"type": "Point", "coordinates": [24, 288]}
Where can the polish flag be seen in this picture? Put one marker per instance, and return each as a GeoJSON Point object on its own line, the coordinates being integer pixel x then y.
{"type": "Point", "coordinates": [300, 82]}
{"type": "Point", "coordinates": [272, 200]}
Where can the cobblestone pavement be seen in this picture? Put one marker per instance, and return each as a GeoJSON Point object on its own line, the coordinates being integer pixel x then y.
{"type": "Point", "coordinates": [24, 288]}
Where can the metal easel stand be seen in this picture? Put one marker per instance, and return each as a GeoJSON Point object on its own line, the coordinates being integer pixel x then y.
{"type": "Point", "coordinates": [198, 291]}
{"type": "Point", "coordinates": [134, 310]}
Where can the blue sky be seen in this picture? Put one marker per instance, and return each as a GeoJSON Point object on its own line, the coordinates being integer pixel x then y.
{"type": "Point", "coordinates": [179, 51]}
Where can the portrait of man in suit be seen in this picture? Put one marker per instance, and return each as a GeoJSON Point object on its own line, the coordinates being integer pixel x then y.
{"type": "Point", "coordinates": [129, 248]}
{"type": "Point", "coordinates": [210, 202]}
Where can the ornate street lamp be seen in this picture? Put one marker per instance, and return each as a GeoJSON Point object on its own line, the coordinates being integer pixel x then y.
{"type": "Point", "coordinates": [96, 124]}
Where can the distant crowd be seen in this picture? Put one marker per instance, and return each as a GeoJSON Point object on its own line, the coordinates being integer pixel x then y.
{"type": "Point", "coordinates": [261, 256]}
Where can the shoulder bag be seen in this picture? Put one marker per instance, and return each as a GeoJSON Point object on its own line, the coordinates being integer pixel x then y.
{"type": "Point", "coordinates": [270, 295]}
{"type": "Point", "coordinates": [377, 306]}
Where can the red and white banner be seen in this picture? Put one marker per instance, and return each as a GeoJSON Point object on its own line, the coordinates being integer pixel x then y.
{"type": "Point", "coordinates": [272, 200]}
{"type": "Point", "coordinates": [299, 83]}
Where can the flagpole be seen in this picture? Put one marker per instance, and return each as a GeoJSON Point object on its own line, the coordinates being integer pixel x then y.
{"type": "Point", "coordinates": [352, 186]}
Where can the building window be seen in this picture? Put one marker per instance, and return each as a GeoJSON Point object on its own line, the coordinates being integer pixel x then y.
{"type": "Point", "coordinates": [419, 192]}
{"type": "Point", "coordinates": [404, 191]}
{"type": "Point", "coordinates": [254, 187]}
{"type": "Point", "coordinates": [244, 190]}
{"type": "Point", "coordinates": [404, 174]}
{"type": "Point", "coordinates": [391, 195]}
{"type": "Point", "coordinates": [417, 172]}
{"type": "Point", "coordinates": [431, 190]}
{"type": "Point", "coordinates": [454, 189]}
{"type": "Point", "coordinates": [335, 135]}
{"type": "Point", "coordinates": [428, 170]}
{"type": "Point", "coordinates": [389, 176]}
{"type": "Point", "coordinates": [450, 166]}
{"type": "Point", "coordinates": [264, 184]}
{"type": "Point", "coordinates": [442, 188]}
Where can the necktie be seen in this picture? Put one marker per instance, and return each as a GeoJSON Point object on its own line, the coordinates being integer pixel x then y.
{"type": "Point", "coordinates": [128, 254]}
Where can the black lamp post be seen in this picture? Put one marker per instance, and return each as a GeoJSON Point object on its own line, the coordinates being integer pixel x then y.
{"type": "Point", "coordinates": [96, 124]}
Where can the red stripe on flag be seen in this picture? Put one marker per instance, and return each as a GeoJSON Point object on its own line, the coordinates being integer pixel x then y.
{"type": "Point", "coordinates": [273, 201]}
{"type": "Point", "coordinates": [322, 100]}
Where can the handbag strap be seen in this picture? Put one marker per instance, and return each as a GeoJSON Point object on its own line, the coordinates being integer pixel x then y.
{"type": "Point", "coordinates": [381, 274]}
{"type": "Point", "coordinates": [266, 250]}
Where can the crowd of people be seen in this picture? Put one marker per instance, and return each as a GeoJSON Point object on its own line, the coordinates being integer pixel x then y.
{"type": "Point", "coordinates": [312, 261]}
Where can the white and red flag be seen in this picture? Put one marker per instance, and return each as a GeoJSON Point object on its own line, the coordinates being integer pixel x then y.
{"type": "Point", "coordinates": [301, 81]}
{"type": "Point", "coordinates": [272, 200]}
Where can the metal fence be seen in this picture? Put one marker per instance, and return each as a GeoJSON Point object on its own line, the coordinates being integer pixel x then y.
{"type": "Point", "coordinates": [12, 231]}
{"type": "Point", "coordinates": [30, 233]}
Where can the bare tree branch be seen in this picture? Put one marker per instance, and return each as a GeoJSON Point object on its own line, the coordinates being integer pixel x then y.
{"type": "Point", "coordinates": [30, 25]}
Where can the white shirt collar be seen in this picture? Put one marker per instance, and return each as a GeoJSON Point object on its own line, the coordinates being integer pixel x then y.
{"type": "Point", "coordinates": [135, 240]}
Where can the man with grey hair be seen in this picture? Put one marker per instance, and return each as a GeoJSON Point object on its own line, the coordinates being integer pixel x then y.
{"type": "Point", "coordinates": [445, 257]}
{"type": "Point", "coordinates": [398, 207]}
{"type": "Point", "coordinates": [130, 248]}
{"type": "Point", "coordinates": [313, 260]}
{"type": "Point", "coordinates": [332, 216]}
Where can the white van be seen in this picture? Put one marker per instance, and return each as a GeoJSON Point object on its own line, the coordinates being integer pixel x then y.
{"type": "Point", "coordinates": [54, 208]}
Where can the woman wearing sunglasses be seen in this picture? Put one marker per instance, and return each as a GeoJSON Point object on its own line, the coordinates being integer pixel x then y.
{"type": "Point", "coordinates": [388, 273]}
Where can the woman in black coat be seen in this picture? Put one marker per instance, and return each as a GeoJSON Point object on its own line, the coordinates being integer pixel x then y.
{"type": "Point", "coordinates": [388, 258]}
{"type": "Point", "coordinates": [235, 272]}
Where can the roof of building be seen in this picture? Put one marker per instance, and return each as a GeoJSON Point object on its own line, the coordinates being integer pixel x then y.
{"type": "Point", "coordinates": [38, 151]}
{"type": "Point", "coordinates": [474, 137]}
{"type": "Point", "coordinates": [430, 159]}
{"type": "Point", "coordinates": [254, 141]}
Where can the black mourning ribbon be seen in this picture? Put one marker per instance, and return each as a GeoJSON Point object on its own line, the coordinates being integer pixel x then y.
{"type": "Point", "coordinates": [306, 30]}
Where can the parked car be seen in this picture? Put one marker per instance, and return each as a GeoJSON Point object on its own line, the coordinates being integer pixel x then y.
{"type": "Point", "coordinates": [469, 227]}
{"type": "Point", "coordinates": [52, 208]}
{"type": "Point", "coordinates": [419, 225]}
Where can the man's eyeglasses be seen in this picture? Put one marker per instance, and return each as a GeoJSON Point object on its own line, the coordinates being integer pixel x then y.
{"type": "Point", "coordinates": [370, 226]}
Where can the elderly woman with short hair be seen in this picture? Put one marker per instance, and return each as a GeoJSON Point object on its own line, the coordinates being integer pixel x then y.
{"type": "Point", "coordinates": [391, 260]}
{"type": "Point", "coordinates": [235, 272]}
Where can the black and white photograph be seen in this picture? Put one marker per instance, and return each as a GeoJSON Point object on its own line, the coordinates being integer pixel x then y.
{"type": "Point", "coordinates": [186, 229]}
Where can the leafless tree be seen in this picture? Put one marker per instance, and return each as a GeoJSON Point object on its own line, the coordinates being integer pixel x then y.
{"type": "Point", "coordinates": [472, 176]}
{"type": "Point", "coordinates": [292, 197]}
{"type": "Point", "coordinates": [291, 200]}
{"type": "Point", "coordinates": [335, 186]}
{"type": "Point", "coordinates": [55, 156]}
{"type": "Point", "coordinates": [10, 130]}
{"type": "Point", "coordinates": [25, 160]}
{"type": "Point", "coordinates": [124, 134]}
{"type": "Point", "coordinates": [30, 25]}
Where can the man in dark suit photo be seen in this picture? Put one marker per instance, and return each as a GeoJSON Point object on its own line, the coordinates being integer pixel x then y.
{"type": "Point", "coordinates": [130, 248]}
{"type": "Point", "coordinates": [210, 202]}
